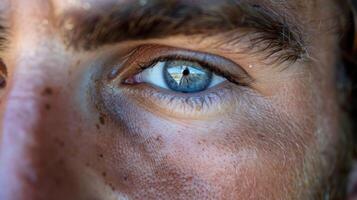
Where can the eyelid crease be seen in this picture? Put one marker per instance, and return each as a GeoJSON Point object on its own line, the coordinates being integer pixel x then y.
{"type": "Point", "coordinates": [145, 56]}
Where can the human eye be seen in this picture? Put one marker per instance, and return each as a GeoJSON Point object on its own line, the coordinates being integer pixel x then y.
{"type": "Point", "coordinates": [180, 82]}
{"type": "Point", "coordinates": [178, 75]}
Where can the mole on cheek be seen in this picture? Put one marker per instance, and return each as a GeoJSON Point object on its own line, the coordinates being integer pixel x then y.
{"type": "Point", "coordinates": [47, 91]}
{"type": "Point", "coordinates": [47, 106]}
{"type": "Point", "coordinates": [101, 120]}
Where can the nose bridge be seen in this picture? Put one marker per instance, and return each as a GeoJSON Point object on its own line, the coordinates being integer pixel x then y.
{"type": "Point", "coordinates": [23, 134]}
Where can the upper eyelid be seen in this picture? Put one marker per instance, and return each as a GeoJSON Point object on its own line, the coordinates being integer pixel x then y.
{"type": "Point", "coordinates": [145, 56]}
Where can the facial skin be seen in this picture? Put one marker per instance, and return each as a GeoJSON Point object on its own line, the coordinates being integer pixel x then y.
{"type": "Point", "coordinates": [73, 128]}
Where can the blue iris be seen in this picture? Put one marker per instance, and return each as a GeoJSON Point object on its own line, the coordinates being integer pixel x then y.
{"type": "Point", "coordinates": [186, 76]}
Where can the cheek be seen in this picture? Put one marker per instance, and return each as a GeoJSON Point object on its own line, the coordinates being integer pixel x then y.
{"type": "Point", "coordinates": [228, 155]}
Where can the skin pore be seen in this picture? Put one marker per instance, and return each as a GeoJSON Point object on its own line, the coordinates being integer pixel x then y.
{"type": "Point", "coordinates": [74, 127]}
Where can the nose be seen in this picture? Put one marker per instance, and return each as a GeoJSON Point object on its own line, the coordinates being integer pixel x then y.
{"type": "Point", "coordinates": [33, 162]}
{"type": "Point", "coordinates": [23, 159]}
{"type": "Point", "coordinates": [24, 150]}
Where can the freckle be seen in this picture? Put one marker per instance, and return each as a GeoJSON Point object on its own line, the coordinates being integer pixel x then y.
{"type": "Point", "coordinates": [101, 120]}
{"type": "Point", "coordinates": [101, 155]}
{"type": "Point", "coordinates": [47, 91]}
{"type": "Point", "coordinates": [159, 138]}
{"type": "Point", "coordinates": [87, 164]}
{"type": "Point", "coordinates": [125, 178]}
{"type": "Point", "coordinates": [104, 174]}
{"type": "Point", "coordinates": [47, 106]}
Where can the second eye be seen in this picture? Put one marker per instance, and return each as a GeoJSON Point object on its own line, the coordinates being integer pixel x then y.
{"type": "Point", "coordinates": [179, 76]}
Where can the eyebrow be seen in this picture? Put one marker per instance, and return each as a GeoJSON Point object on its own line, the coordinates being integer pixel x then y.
{"type": "Point", "coordinates": [273, 32]}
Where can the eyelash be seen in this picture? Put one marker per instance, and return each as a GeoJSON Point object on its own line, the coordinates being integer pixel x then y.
{"type": "Point", "coordinates": [214, 69]}
{"type": "Point", "coordinates": [186, 106]}
{"type": "Point", "coordinates": [146, 56]}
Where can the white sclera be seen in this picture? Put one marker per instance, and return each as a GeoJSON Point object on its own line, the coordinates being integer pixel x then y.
{"type": "Point", "coordinates": [154, 75]}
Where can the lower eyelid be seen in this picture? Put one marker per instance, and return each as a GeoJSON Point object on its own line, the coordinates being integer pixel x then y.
{"type": "Point", "coordinates": [215, 101]}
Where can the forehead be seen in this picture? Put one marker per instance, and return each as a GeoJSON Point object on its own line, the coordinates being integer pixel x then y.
{"type": "Point", "coordinates": [80, 4]}
{"type": "Point", "coordinates": [298, 10]}
{"type": "Point", "coordinates": [301, 10]}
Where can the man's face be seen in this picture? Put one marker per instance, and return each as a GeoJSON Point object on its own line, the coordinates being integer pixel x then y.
{"type": "Point", "coordinates": [119, 99]}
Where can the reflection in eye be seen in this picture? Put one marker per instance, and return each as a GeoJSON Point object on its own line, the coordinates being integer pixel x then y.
{"type": "Point", "coordinates": [179, 76]}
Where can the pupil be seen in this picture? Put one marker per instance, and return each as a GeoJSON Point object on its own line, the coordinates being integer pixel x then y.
{"type": "Point", "coordinates": [186, 72]}
{"type": "Point", "coordinates": [186, 77]}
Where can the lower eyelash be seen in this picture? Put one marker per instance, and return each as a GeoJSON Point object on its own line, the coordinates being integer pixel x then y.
{"type": "Point", "coordinates": [188, 104]}
{"type": "Point", "coordinates": [217, 100]}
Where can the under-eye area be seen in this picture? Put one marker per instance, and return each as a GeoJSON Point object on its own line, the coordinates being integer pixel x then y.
{"type": "Point", "coordinates": [179, 82]}
{"type": "Point", "coordinates": [217, 100]}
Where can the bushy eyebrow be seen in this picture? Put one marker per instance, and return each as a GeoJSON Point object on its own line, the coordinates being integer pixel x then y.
{"type": "Point", "coordinates": [274, 32]}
